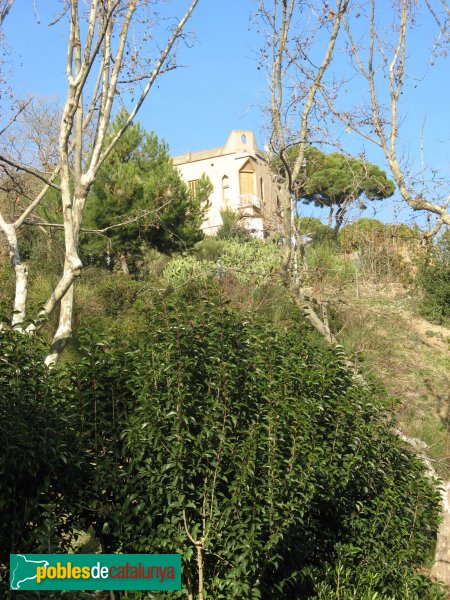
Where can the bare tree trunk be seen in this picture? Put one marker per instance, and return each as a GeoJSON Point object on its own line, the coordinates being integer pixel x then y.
{"type": "Point", "coordinates": [382, 127]}
{"type": "Point", "coordinates": [279, 21]}
{"type": "Point", "coordinates": [330, 217]}
{"type": "Point", "coordinates": [200, 570]}
{"type": "Point", "coordinates": [73, 208]}
{"type": "Point", "coordinates": [104, 46]}
{"type": "Point", "coordinates": [286, 201]}
{"type": "Point", "coordinates": [339, 219]}
{"type": "Point", "coordinates": [64, 332]}
{"type": "Point", "coordinates": [20, 270]}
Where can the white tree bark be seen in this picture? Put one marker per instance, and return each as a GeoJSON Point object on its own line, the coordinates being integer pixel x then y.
{"type": "Point", "coordinates": [97, 64]}
{"type": "Point", "coordinates": [5, 7]}
{"type": "Point", "coordinates": [20, 270]}
{"type": "Point", "coordinates": [380, 61]}
{"type": "Point", "coordinates": [287, 52]}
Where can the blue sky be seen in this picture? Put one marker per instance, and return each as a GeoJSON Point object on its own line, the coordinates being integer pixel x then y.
{"type": "Point", "coordinates": [219, 87]}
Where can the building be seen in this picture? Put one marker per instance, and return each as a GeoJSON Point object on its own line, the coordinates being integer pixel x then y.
{"type": "Point", "coordinates": [240, 175]}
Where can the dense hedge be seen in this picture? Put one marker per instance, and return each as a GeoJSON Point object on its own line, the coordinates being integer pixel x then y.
{"type": "Point", "coordinates": [40, 456]}
{"type": "Point", "coordinates": [225, 429]}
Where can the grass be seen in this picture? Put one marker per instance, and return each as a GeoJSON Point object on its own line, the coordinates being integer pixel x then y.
{"type": "Point", "coordinates": [393, 346]}
{"type": "Point", "coordinates": [376, 322]}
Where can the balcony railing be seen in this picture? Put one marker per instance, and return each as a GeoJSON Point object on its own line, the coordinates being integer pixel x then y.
{"type": "Point", "coordinates": [247, 200]}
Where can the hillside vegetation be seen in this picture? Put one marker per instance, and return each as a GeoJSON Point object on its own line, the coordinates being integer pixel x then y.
{"type": "Point", "coordinates": [275, 412]}
{"type": "Point", "coordinates": [200, 384]}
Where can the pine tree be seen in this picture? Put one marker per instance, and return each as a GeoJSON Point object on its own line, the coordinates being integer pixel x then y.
{"type": "Point", "coordinates": [140, 197]}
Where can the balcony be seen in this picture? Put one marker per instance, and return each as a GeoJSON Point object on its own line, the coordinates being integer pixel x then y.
{"type": "Point", "coordinates": [249, 201]}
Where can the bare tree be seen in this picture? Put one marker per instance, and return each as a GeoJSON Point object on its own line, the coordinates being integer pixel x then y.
{"type": "Point", "coordinates": [109, 54]}
{"type": "Point", "coordinates": [379, 58]}
{"type": "Point", "coordinates": [5, 7]}
{"type": "Point", "coordinates": [295, 30]}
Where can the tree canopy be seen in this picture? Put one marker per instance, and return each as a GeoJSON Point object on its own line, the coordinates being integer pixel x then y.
{"type": "Point", "coordinates": [337, 181]}
{"type": "Point", "coordinates": [140, 199]}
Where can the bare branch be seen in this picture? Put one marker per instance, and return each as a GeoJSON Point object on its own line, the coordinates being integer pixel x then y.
{"type": "Point", "coordinates": [14, 118]}
{"type": "Point", "coordinates": [105, 153]}
{"type": "Point", "coordinates": [5, 7]}
{"type": "Point", "coordinates": [19, 167]}
{"type": "Point", "coordinates": [98, 38]}
{"type": "Point", "coordinates": [143, 214]}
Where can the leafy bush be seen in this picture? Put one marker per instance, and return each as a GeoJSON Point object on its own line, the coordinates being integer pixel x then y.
{"type": "Point", "coordinates": [434, 280]}
{"type": "Point", "coordinates": [356, 583]}
{"type": "Point", "coordinates": [255, 442]}
{"type": "Point", "coordinates": [7, 281]}
{"type": "Point", "coordinates": [211, 248]}
{"type": "Point", "coordinates": [231, 228]}
{"type": "Point", "coordinates": [327, 266]}
{"type": "Point", "coordinates": [314, 228]}
{"type": "Point", "coordinates": [353, 234]}
{"type": "Point", "coordinates": [385, 252]}
{"type": "Point", "coordinates": [38, 452]}
{"type": "Point", "coordinates": [250, 261]}
{"type": "Point", "coordinates": [183, 269]}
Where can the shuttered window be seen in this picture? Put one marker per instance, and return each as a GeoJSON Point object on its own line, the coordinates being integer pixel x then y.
{"type": "Point", "coordinates": [246, 182]}
{"type": "Point", "coordinates": [192, 186]}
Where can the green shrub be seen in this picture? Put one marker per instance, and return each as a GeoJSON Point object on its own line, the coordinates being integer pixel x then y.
{"type": "Point", "coordinates": [328, 266]}
{"type": "Point", "coordinates": [434, 282]}
{"type": "Point", "coordinates": [118, 292]}
{"type": "Point", "coordinates": [39, 458]}
{"type": "Point", "coordinates": [182, 270]}
{"type": "Point", "coordinates": [250, 261]}
{"type": "Point", "coordinates": [360, 227]}
{"type": "Point", "coordinates": [256, 440]}
{"type": "Point", "coordinates": [220, 428]}
{"type": "Point", "coordinates": [232, 228]}
{"type": "Point", "coordinates": [314, 228]}
{"type": "Point", "coordinates": [384, 252]}
{"type": "Point", "coordinates": [7, 282]}
{"type": "Point", "coordinates": [211, 248]}
{"type": "Point", "coordinates": [360, 583]}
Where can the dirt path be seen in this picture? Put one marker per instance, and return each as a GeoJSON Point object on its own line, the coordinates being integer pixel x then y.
{"type": "Point", "coordinates": [435, 336]}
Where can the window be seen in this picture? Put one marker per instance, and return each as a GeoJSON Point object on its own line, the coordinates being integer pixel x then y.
{"type": "Point", "coordinates": [225, 190]}
{"type": "Point", "coordinates": [247, 179]}
{"type": "Point", "coordinates": [192, 187]}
